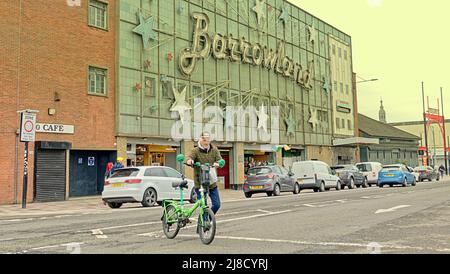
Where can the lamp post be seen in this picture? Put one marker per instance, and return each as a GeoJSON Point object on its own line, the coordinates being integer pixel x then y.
{"type": "Point", "coordinates": [365, 81]}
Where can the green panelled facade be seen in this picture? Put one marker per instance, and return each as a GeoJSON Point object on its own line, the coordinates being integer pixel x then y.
{"type": "Point", "coordinates": [145, 112]}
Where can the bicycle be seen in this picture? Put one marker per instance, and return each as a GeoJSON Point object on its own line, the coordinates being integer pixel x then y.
{"type": "Point", "coordinates": [176, 216]}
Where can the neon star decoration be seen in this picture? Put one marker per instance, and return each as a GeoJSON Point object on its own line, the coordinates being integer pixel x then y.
{"type": "Point", "coordinates": [284, 15]}
{"type": "Point", "coordinates": [260, 11]}
{"type": "Point", "coordinates": [262, 118]}
{"type": "Point", "coordinates": [180, 105]}
{"type": "Point", "coordinates": [313, 120]}
{"type": "Point", "coordinates": [290, 122]}
{"type": "Point", "coordinates": [146, 29]}
{"type": "Point", "coordinates": [312, 33]}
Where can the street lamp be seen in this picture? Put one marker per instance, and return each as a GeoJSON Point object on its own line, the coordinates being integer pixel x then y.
{"type": "Point", "coordinates": [364, 81]}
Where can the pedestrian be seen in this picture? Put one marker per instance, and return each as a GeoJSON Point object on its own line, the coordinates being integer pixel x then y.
{"type": "Point", "coordinates": [442, 170]}
{"type": "Point", "coordinates": [206, 153]}
{"type": "Point", "coordinates": [117, 165]}
{"type": "Point", "coordinates": [109, 167]}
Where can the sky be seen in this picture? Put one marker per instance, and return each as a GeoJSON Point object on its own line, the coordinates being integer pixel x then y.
{"type": "Point", "coordinates": [399, 42]}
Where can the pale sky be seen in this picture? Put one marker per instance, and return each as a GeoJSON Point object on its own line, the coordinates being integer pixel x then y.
{"type": "Point", "coordinates": [400, 42]}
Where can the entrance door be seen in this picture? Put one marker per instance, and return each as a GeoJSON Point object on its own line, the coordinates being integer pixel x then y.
{"type": "Point", "coordinates": [50, 184]}
{"type": "Point", "coordinates": [225, 171]}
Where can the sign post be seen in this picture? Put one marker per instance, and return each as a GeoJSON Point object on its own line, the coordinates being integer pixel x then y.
{"type": "Point", "coordinates": [27, 134]}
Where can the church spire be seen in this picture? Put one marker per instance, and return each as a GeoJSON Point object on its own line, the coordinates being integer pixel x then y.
{"type": "Point", "coordinates": [382, 113]}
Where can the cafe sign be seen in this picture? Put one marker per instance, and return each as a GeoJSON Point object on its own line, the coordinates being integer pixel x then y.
{"type": "Point", "coordinates": [240, 50]}
{"type": "Point", "coordinates": [55, 128]}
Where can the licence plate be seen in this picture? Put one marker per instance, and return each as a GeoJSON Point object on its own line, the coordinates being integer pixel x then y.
{"type": "Point", "coordinates": [389, 175]}
{"type": "Point", "coordinates": [118, 185]}
{"type": "Point", "coordinates": [256, 187]}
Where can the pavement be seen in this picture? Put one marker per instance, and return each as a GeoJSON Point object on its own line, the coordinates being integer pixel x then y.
{"type": "Point", "coordinates": [390, 220]}
{"type": "Point", "coordinates": [86, 205]}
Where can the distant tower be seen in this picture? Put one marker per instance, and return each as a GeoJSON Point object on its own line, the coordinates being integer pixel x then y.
{"type": "Point", "coordinates": [382, 113]}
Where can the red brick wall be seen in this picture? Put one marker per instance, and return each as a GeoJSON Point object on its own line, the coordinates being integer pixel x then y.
{"type": "Point", "coordinates": [57, 46]}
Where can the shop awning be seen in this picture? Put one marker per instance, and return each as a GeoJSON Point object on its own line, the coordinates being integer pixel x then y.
{"type": "Point", "coordinates": [356, 141]}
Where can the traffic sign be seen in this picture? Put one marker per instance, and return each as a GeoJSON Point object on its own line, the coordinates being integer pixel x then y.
{"type": "Point", "coordinates": [28, 127]}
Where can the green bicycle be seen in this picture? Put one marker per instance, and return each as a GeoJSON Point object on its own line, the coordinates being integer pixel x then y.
{"type": "Point", "coordinates": [176, 216]}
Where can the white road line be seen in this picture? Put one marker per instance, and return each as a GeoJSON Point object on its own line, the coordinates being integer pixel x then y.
{"type": "Point", "coordinates": [99, 234]}
{"type": "Point", "coordinates": [9, 239]}
{"type": "Point", "coordinates": [360, 245]}
{"type": "Point", "coordinates": [391, 209]}
{"type": "Point", "coordinates": [157, 233]}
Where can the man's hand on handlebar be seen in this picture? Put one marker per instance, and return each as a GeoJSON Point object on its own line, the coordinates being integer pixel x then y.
{"type": "Point", "coordinates": [216, 164]}
{"type": "Point", "coordinates": [190, 162]}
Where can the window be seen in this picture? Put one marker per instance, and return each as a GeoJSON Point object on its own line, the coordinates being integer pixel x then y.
{"type": "Point", "coordinates": [155, 172]}
{"type": "Point", "coordinates": [97, 81]}
{"type": "Point", "coordinates": [98, 14]}
{"type": "Point", "coordinates": [349, 124]}
{"type": "Point", "coordinates": [347, 90]}
{"type": "Point", "coordinates": [340, 52]}
{"type": "Point", "coordinates": [343, 123]}
{"type": "Point", "coordinates": [335, 86]}
{"type": "Point", "coordinates": [334, 50]}
{"type": "Point", "coordinates": [342, 87]}
{"type": "Point", "coordinates": [338, 123]}
{"type": "Point", "coordinates": [345, 54]}
{"type": "Point", "coordinates": [172, 173]}
{"type": "Point", "coordinates": [150, 87]}
{"type": "Point", "coordinates": [127, 172]}
{"type": "Point", "coordinates": [167, 92]}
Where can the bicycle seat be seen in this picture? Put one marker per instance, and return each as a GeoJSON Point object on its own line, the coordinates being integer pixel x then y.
{"type": "Point", "coordinates": [183, 184]}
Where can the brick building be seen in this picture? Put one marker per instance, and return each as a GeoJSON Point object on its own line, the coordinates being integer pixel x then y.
{"type": "Point", "coordinates": [58, 58]}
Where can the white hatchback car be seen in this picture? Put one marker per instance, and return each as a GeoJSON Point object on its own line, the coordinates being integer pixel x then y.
{"type": "Point", "coordinates": [145, 185]}
{"type": "Point", "coordinates": [315, 175]}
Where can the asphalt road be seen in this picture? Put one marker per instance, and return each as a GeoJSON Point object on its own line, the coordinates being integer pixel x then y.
{"type": "Point", "coordinates": [389, 220]}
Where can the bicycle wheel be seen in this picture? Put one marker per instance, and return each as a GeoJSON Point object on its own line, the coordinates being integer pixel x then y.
{"type": "Point", "coordinates": [207, 229]}
{"type": "Point", "coordinates": [170, 222]}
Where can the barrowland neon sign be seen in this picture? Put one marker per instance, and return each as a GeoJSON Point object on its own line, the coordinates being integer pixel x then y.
{"type": "Point", "coordinates": [239, 50]}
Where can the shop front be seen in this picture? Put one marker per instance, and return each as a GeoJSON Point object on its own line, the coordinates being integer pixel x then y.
{"type": "Point", "coordinates": [258, 155]}
{"type": "Point", "coordinates": [152, 153]}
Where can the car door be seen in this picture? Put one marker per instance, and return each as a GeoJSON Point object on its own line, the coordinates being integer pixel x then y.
{"type": "Point", "coordinates": [156, 177]}
{"type": "Point", "coordinates": [408, 174]}
{"type": "Point", "coordinates": [288, 180]}
{"type": "Point", "coordinates": [175, 177]}
{"type": "Point", "coordinates": [281, 178]}
{"type": "Point", "coordinates": [331, 182]}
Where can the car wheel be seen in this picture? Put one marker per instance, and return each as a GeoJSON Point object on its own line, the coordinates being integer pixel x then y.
{"type": "Point", "coordinates": [316, 190]}
{"type": "Point", "coordinates": [380, 186]}
{"type": "Point", "coordinates": [114, 205]}
{"type": "Point", "coordinates": [296, 188]}
{"type": "Point", "coordinates": [414, 182]}
{"type": "Point", "coordinates": [322, 187]}
{"type": "Point", "coordinates": [248, 194]}
{"type": "Point", "coordinates": [338, 186]}
{"type": "Point", "coordinates": [150, 198]}
{"type": "Point", "coordinates": [405, 183]}
{"type": "Point", "coordinates": [270, 193]}
{"type": "Point", "coordinates": [276, 190]}
{"type": "Point", "coordinates": [438, 178]}
{"type": "Point", "coordinates": [352, 184]}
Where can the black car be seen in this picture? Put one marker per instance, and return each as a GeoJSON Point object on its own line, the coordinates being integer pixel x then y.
{"type": "Point", "coordinates": [271, 180]}
{"type": "Point", "coordinates": [350, 176]}
{"type": "Point", "coordinates": [427, 173]}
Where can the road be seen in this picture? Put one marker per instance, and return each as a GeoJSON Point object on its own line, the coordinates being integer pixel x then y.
{"type": "Point", "coordinates": [389, 220]}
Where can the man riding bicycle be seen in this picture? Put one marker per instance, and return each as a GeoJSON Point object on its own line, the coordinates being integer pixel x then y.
{"type": "Point", "coordinates": [206, 153]}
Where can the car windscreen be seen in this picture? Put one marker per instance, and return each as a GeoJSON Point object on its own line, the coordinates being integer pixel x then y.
{"type": "Point", "coordinates": [259, 171]}
{"type": "Point", "coordinates": [364, 167]}
{"type": "Point", "coordinates": [421, 168]}
{"type": "Point", "coordinates": [338, 167]}
{"type": "Point", "coordinates": [128, 172]}
{"type": "Point", "coordinates": [391, 169]}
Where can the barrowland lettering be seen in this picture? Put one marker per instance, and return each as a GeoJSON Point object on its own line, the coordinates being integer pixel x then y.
{"type": "Point", "coordinates": [240, 50]}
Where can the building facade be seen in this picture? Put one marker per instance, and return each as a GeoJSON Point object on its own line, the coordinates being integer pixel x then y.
{"type": "Point", "coordinates": [142, 79]}
{"type": "Point", "coordinates": [57, 59]}
{"type": "Point", "coordinates": [395, 146]}
{"type": "Point", "coordinates": [177, 58]}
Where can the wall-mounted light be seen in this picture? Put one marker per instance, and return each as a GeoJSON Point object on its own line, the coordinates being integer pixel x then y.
{"type": "Point", "coordinates": [51, 111]}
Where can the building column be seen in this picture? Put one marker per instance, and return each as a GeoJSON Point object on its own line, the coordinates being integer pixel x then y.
{"type": "Point", "coordinates": [238, 166]}
{"type": "Point", "coordinates": [186, 147]}
{"type": "Point", "coordinates": [279, 158]}
{"type": "Point", "coordinates": [122, 149]}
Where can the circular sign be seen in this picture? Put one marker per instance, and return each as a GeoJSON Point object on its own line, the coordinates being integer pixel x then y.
{"type": "Point", "coordinates": [28, 126]}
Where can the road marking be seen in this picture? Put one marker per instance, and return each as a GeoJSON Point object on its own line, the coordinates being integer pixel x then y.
{"type": "Point", "coordinates": [264, 211]}
{"type": "Point", "coordinates": [99, 234]}
{"type": "Point", "coordinates": [53, 246]}
{"type": "Point", "coordinates": [9, 239]}
{"type": "Point", "coordinates": [360, 245]}
{"type": "Point", "coordinates": [391, 209]}
{"type": "Point", "coordinates": [159, 232]}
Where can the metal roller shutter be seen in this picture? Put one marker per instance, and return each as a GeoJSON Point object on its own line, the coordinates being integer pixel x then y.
{"type": "Point", "coordinates": [50, 175]}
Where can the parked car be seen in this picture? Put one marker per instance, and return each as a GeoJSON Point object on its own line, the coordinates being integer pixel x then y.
{"type": "Point", "coordinates": [427, 173]}
{"type": "Point", "coordinates": [350, 176]}
{"type": "Point", "coordinates": [145, 185]}
{"type": "Point", "coordinates": [315, 175]}
{"type": "Point", "coordinates": [396, 175]}
{"type": "Point", "coordinates": [415, 173]}
{"type": "Point", "coordinates": [271, 180]}
{"type": "Point", "coordinates": [370, 171]}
